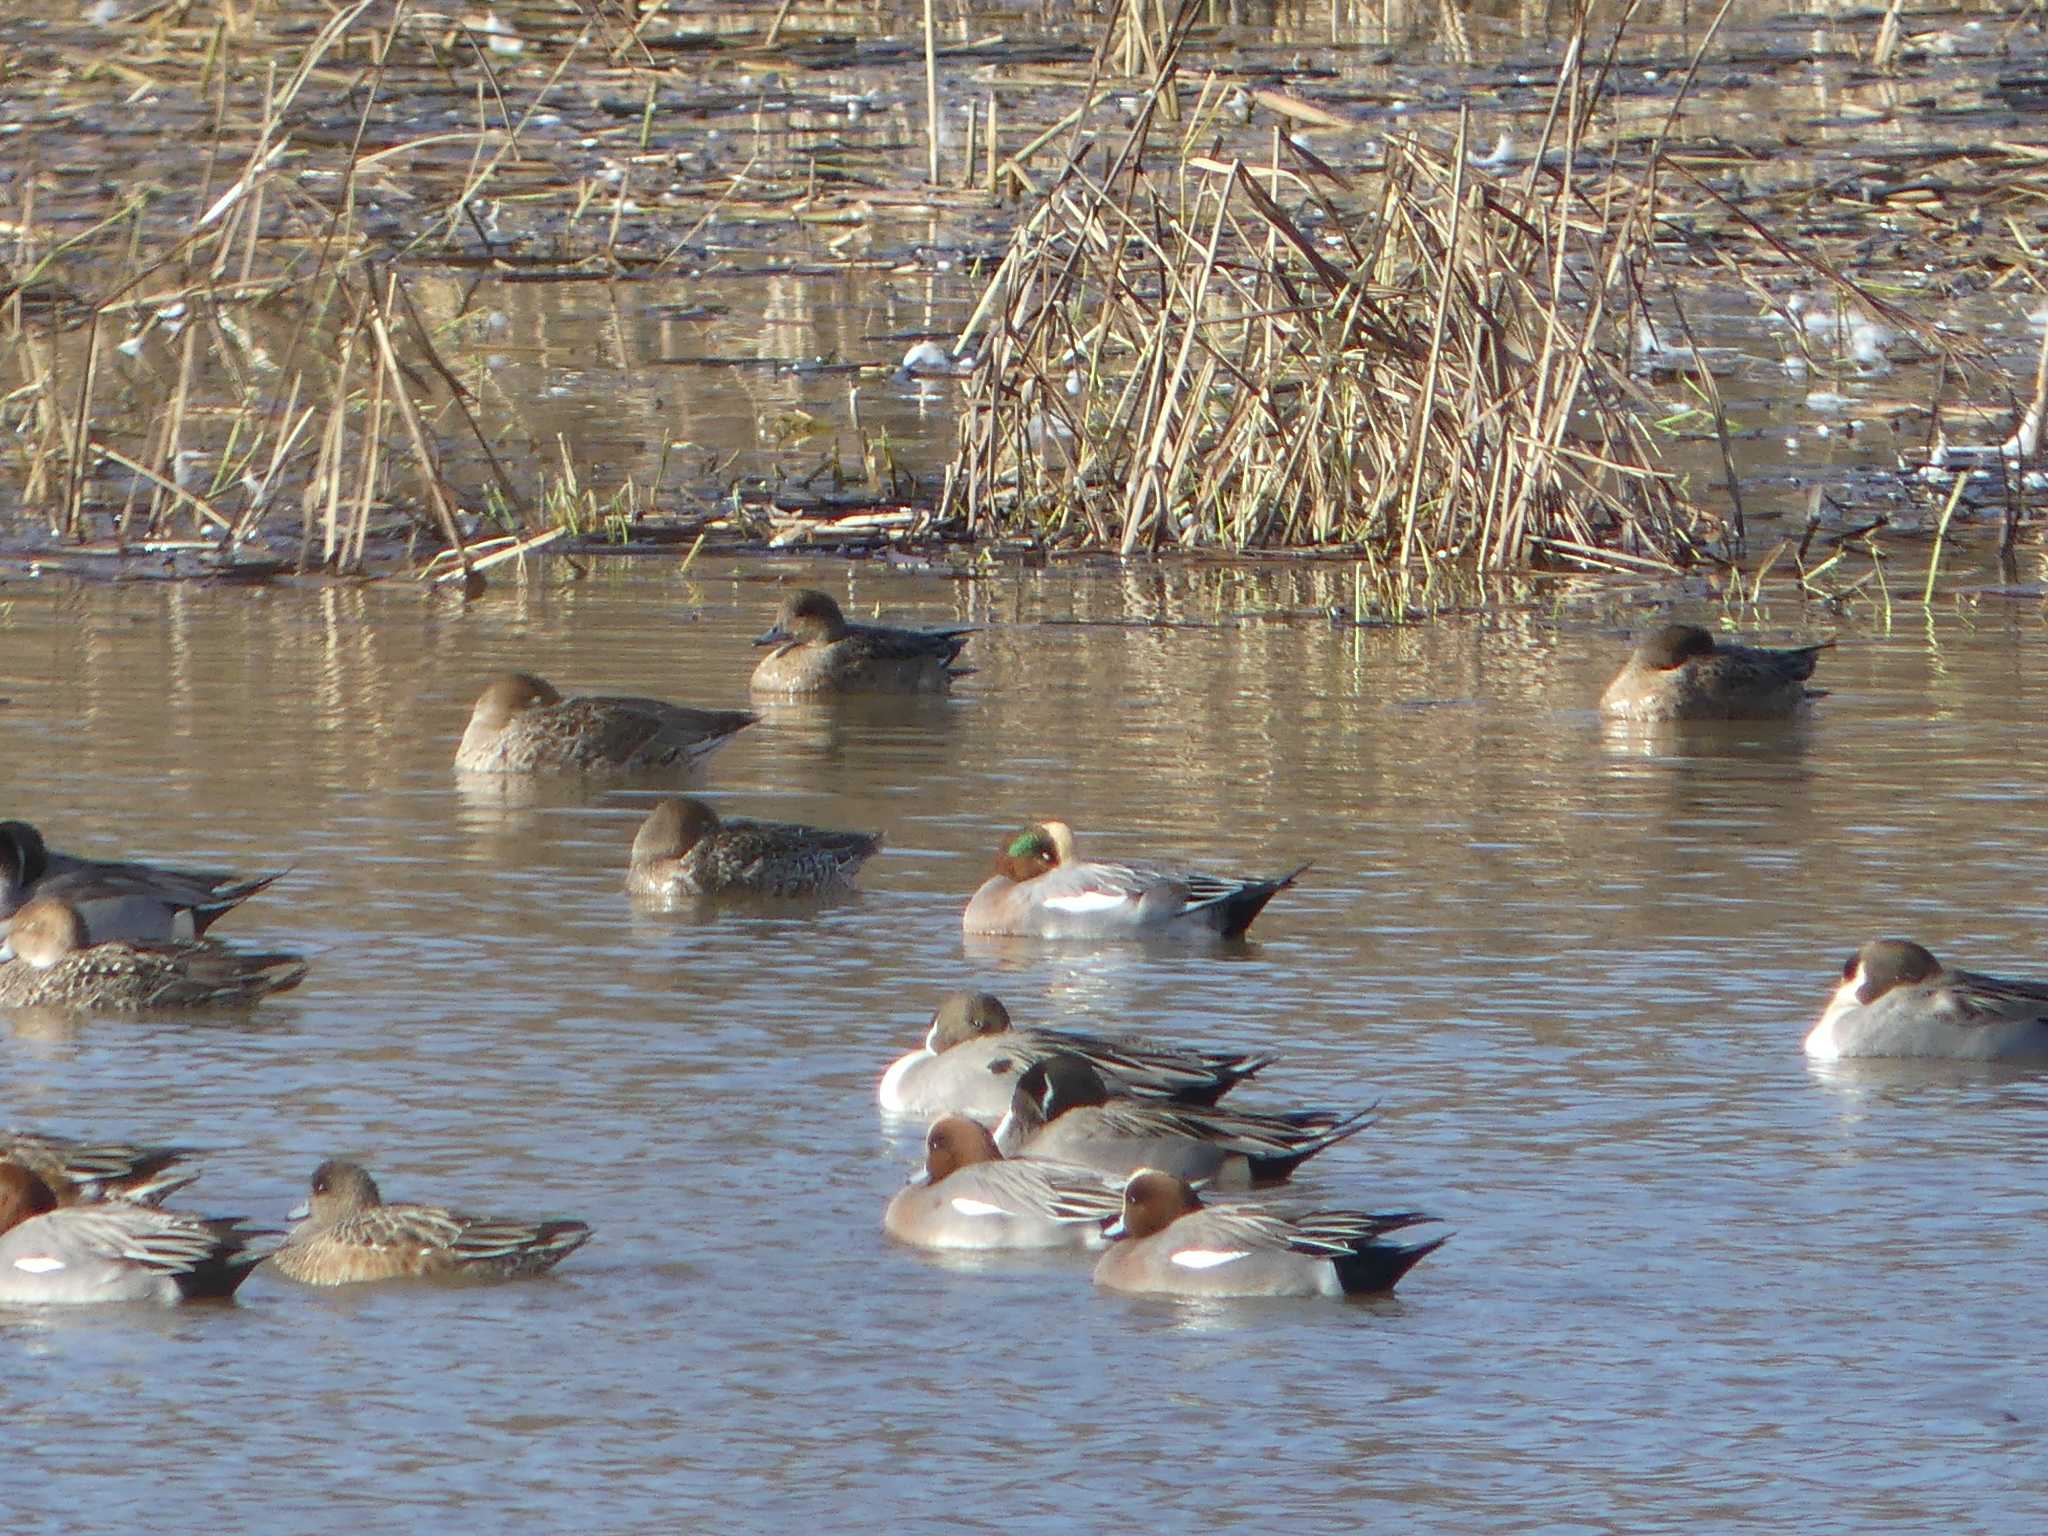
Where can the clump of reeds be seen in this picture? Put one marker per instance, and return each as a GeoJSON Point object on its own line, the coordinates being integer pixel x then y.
{"type": "Point", "coordinates": [1181, 348]}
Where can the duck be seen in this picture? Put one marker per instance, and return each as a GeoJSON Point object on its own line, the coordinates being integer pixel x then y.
{"type": "Point", "coordinates": [142, 902]}
{"type": "Point", "coordinates": [1167, 1242]}
{"type": "Point", "coordinates": [817, 651]}
{"type": "Point", "coordinates": [972, 1197]}
{"type": "Point", "coordinates": [113, 1250]}
{"type": "Point", "coordinates": [84, 1172]}
{"type": "Point", "coordinates": [1896, 999]}
{"type": "Point", "coordinates": [1680, 672]}
{"type": "Point", "coordinates": [521, 724]}
{"type": "Point", "coordinates": [972, 1056]}
{"type": "Point", "coordinates": [347, 1235]}
{"type": "Point", "coordinates": [1061, 1110]}
{"type": "Point", "coordinates": [1042, 890]}
{"type": "Point", "coordinates": [684, 848]}
{"type": "Point", "coordinates": [50, 958]}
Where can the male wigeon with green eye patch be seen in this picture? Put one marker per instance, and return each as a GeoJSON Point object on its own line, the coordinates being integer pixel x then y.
{"type": "Point", "coordinates": [1042, 889]}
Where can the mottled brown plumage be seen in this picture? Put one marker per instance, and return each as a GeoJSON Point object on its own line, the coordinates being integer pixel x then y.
{"type": "Point", "coordinates": [51, 961]}
{"type": "Point", "coordinates": [350, 1235]}
{"type": "Point", "coordinates": [522, 725]}
{"type": "Point", "coordinates": [817, 651]}
{"type": "Point", "coordinates": [684, 848]}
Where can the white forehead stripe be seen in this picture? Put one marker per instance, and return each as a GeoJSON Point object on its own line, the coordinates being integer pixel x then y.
{"type": "Point", "coordinates": [1087, 901]}
{"type": "Point", "coordinates": [1208, 1258]}
{"type": "Point", "coordinates": [967, 1207]}
{"type": "Point", "coordinates": [39, 1263]}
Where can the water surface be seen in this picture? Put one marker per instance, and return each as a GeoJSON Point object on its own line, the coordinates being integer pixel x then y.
{"type": "Point", "coordinates": [1695, 1282]}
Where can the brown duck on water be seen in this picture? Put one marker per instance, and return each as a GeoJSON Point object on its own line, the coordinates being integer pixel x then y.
{"type": "Point", "coordinates": [685, 848]}
{"type": "Point", "coordinates": [817, 651]}
{"type": "Point", "coordinates": [522, 725]}
{"type": "Point", "coordinates": [349, 1235]}
{"type": "Point", "coordinates": [1682, 673]}
{"type": "Point", "coordinates": [49, 959]}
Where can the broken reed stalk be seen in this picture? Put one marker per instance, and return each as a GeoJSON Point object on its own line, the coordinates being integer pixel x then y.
{"type": "Point", "coordinates": [931, 95]}
{"type": "Point", "coordinates": [1187, 350]}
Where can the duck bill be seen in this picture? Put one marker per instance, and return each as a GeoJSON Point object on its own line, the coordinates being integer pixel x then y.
{"type": "Point", "coordinates": [300, 1211]}
{"type": "Point", "coordinates": [6, 950]}
{"type": "Point", "coordinates": [775, 636]}
{"type": "Point", "coordinates": [1115, 1229]}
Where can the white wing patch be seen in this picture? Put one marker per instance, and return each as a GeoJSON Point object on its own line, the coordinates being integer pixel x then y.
{"type": "Point", "coordinates": [1208, 1258]}
{"type": "Point", "coordinates": [39, 1263]}
{"type": "Point", "coordinates": [1088, 901]}
{"type": "Point", "coordinates": [967, 1207]}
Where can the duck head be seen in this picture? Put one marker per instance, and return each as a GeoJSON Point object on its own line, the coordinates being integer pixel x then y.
{"type": "Point", "coordinates": [1153, 1201]}
{"type": "Point", "coordinates": [809, 615]}
{"type": "Point", "coordinates": [1673, 646]}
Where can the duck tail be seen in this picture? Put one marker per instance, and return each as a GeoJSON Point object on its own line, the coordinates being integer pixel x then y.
{"type": "Point", "coordinates": [1226, 1073]}
{"type": "Point", "coordinates": [220, 1273]}
{"type": "Point", "coordinates": [1373, 1267]}
{"type": "Point", "coordinates": [228, 897]}
{"type": "Point", "coordinates": [265, 974]}
{"type": "Point", "coordinates": [1237, 910]}
{"type": "Point", "coordinates": [1799, 663]}
{"type": "Point", "coordinates": [1278, 1167]}
{"type": "Point", "coordinates": [556, 1240]}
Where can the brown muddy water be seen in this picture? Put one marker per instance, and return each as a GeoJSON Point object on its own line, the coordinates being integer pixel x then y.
{"type": "Point", "coordinates": [1695, 1283]}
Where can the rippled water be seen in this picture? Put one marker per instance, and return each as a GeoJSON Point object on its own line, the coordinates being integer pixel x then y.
{"type": "Point", "coordinates": [1694, 1283]}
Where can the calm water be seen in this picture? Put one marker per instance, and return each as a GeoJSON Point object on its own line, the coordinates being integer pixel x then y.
{"type": "Point", "coordinates": [1695, 1282]}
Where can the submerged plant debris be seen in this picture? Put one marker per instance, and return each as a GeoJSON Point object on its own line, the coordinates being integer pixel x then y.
{"type": "Point", "coordinates": [347, 287]}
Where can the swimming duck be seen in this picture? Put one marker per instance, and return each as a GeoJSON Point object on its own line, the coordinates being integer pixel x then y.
{"type": "Point", "coordinates": [1167, 1241]}
{"type": "Point", "coordinates": [1040, 890]}
{"type": "Point", "coordinates": [972, 1197]}
{"type": "Point", "coordinates": [50, 959]}
{"type": "Point", "coordinates": [347, 1234]}
{"type": "Point", "coordinates": [522, 725]}
{"type": "Point", "coordinates": [120, 900]}
{"type": "Point", "coordinates": [115, 1250]}
{"type": "Point", "coordinates": [817, 651]}
{"type": "Point", "coordinates": [1896, 999]}
{"type": "Point", "coordinates": [81, 1172]}
{"type": "Point", "coordinates": [1681, 672]}
{"type": "Point", "coordinates": [972, 1056]}
{"type": "Point", "coordinates": [1062, 1110]}
{"type": "Point", "coordinates": [685, 848]}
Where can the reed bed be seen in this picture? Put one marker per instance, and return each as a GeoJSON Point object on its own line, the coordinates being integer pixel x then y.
{"type": "Point", "coordinates": [1224, 316]}
{"type": "Point", "coordinates": [1427, 361]}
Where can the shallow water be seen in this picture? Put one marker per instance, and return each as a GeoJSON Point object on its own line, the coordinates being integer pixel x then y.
{"type": "Point", "coordinates": [1694, 1281]}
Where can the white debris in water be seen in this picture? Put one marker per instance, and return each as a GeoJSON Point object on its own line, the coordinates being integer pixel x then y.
{"type": "Point", "coordinates": [103, 12]}
{"type": "Point", "coordinates": [1867, 343]}
{"type": "Point", "coordinates": [2025, 438]}
{"type": "Point", "coordinates": [1499, 157]}
{"type": "Point", "coordinates": [928, 359]}
{"type": "Point", "coordinates": [499, 36]}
